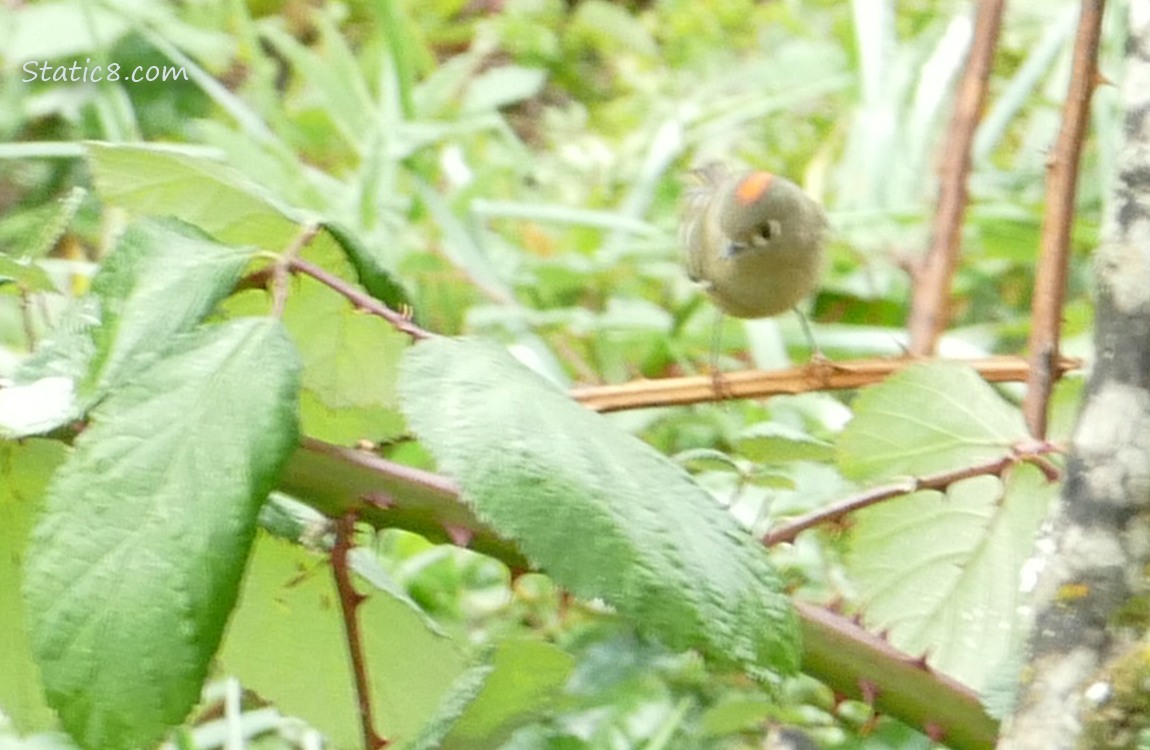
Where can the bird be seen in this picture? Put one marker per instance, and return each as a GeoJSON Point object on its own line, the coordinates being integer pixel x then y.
{"type": "Point", "coordinates": [754, 241]}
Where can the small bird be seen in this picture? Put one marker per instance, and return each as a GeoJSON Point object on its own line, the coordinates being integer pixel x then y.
{"type": "Point", "coordinates": [754, 240]}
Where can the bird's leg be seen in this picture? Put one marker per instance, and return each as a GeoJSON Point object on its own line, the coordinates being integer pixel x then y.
{"type": "Point", "coordinates": [816, 352]}
{"type": "Point", "coordinates": [819, 363]}
{"type": "Point", "coordinates": [721, 387]}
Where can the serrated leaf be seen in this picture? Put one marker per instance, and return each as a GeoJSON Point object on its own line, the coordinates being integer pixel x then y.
{"type": "Point", "coordinates": [350, 358]}
{"type": "Point", "coordinates": [707, 459]}
{"type": "Point", "coordinates": [226, 204]}
{"type": "Point", "coordinates": [927, 419]}
{"type": "Point", "coordinates": [70, 350]}
{"type": "Point", "coordinates": [136, 561]}
{"type": "Point", "coordinates": [455, 703]}
{"type": "Point", "coordinates": [526, 676]}
{"type": "Point", "coordinates": [488, 702]}
{"type": "Point", "coordinates": [25, 468]}
{"type": "Point", "coordinates": [778, 443]}
{"type": "Point", "coordinates": [31, 233]}
{"type": "Point", "coordinates": [200, 191]}
{"type": "Point", "coordinates": [376, 279]}
{"type": "Point", "coordinates": [287, 643]}
{"type": "Point", "coordinates": [940, 572]}
{"type": "Point", "coordinates": [37, 407]}
{"type": "Point", "coordinates": [28, 276]}
{"type": "Point", "coordinates": [602, 512]}
{"type": "Point", "coordinates": [162, 279]}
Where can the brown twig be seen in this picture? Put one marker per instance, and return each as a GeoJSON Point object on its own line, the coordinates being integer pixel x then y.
{"type": "Point", "coordinates": [1061, 181]}
{"type": "Point", "coordinates": [930, 303]}
{"type": "Point", "coordinates": [360, 299]}
{"type": "Point", "coordinates": [835, 512]}
{"type": "Point", "coordinates": [281, 268]}
{"type": "Point", "coordinates": [333, 479]}
{"type": "Point", "coordinates": [859, 664]}
{"type": "Point", "coordinates": [349, 601]}
{"type": "Point", "coordinates": [759, 384]}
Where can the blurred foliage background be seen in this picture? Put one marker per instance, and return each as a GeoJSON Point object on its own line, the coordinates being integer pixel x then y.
{"type": "Point", "coordinates": [517, 166]}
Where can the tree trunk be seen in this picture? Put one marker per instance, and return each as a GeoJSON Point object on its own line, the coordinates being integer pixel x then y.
{"type": "Point", "coordinates": [1084, 684]}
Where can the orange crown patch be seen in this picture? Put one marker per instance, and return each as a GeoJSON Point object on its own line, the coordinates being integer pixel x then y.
{"type": "Point", "coordinates": [752, 187]}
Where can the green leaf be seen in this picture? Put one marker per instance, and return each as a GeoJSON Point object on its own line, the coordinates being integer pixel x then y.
{"type": "Point", "coordinates": [226, 204]}
{"type": "Point", "coordinates": [927, 419]}
{"type": "Point", "coordinates": [777, 443]}
{"type": "Point", "coordinates": [287, 643]}
{"type": "Point", "coordinates": [602, 512]}
{"type": "Point", "coordinates": [608, 28]}
{"type": "Point", "coordinates": [737, 713]}
{"type": "Point", "coordinates": [223, 202]}
{"type": "Point", "coordinates": [28, 276]}
{"type": "Point", "coordinates": [465, 690]}
{"type": "Point", "coordinates": [503, 86]}
{"type": "Point", "coordinates": [25, 468]}
{"type": "Point", "coordinates": [350, 358]}
{"type": "Point", "coordinates": [136, 562]}
{"type": "Point", "coordinates": [51, 30]}
{"type": "Point", "coordinates": [940, 573]}
{"type": "Point", "coordinates": [526, 676]}
{"type": "Point", "coordinates": [162, 279]}
{"type": "Point", "coordinates": [32, 233]}
{"type": "Point", "coordinates": [70, 351]}
{"type": "Point", "coordinates": [38, 407]}
{"type": "Point", "coordinates": [374, 277]}
{"type": "Point", "coordinates": [336, 82]}
{"type": "Point", "coordinates": [200, 191]}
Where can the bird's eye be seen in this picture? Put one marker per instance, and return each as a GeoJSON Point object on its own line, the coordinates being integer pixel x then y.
{"type": "Point", "coordinates": [766, 233]}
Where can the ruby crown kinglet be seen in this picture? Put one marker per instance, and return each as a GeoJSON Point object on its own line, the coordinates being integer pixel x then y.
{"type": "Point", "coordinates": [755, 241]}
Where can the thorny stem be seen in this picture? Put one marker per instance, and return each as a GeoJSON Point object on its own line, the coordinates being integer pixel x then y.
{"type": "Point", "coordinates": [834, 513]}
{"type": "Point", "coordinates": [930, 306]}
{"type": "Point", "coordinates": [360, 299]}
{"type": "Point", "coordinates": [758, 384]}
{"type": "Point", "coordinates": [349, 601]}
{"type": "Point", "coordinates": [1061, 180]}
{"type": "Point", "coordinates": [280, 270]}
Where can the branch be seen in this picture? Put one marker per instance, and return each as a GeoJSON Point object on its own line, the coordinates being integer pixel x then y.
{"type": "Point", "coordinates": [360, 299]}
{"type": "Point", "coordinates": [1061, 180]}
{"type": "Point", "coordinates": [930, 303]}
{"type": "Point", "coordinates": [861, 665]}
{"type": "Point", "coordinates": [698, 389]}
{"type": "Point", "coordinates": [835, 651]}
{"type": "Point", "coordinates": [838, 510]}
{"type": "Point", "coordinates": [281, 268]}
{"type": "Point", "coordinates": [336, 480]}
{"type": "Point", "coordinates": [349, 601]}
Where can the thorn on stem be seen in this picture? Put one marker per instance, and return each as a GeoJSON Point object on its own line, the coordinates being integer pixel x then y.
{"type": "Point", "coordinates": [460, 536]}
{"type": "Point", "coordinates": [379, 499]}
